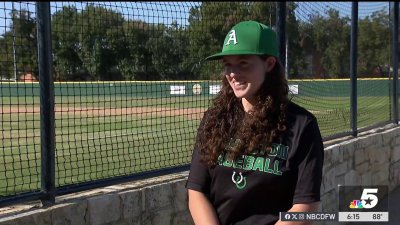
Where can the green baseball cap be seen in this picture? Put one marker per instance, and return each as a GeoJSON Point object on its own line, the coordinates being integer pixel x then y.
{"type": "Point", "coordinates": [249, 38]}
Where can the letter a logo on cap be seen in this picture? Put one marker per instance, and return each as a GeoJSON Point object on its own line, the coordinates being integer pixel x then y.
{"type": "Point", "coordinates": [232, 37]}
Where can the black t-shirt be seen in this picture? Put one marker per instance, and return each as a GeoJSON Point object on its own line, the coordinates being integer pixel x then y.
{"type": "Point", "coordinates": [253, 189]}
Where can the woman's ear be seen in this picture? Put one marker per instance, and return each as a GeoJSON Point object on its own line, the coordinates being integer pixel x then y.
{"type": "Point", "coordinates": [270, 63]}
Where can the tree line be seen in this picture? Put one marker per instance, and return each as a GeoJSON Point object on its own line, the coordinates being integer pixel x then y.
{"type": "Point", "coordinates": [98, 43]}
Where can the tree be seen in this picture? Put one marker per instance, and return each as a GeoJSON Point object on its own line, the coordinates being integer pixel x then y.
{"type": "Point", "coordinates": [65, 42]}
{"type": "Point", "coordinates": [134, 59]}
{"type": "Point", "coordinates": [25, 45]}
{"type": "Point", "coordinates": [94, 49]}
{"type": "Point", "coordinates": [86, 44]}
{"type": "Point", "coordinates": [99, 44]}
{"type": "Point", "coordinates": [26, 42]}
{"type": "Point", "coordinates": [374, 44]}
{"type": "Point", "coordinates": [168, 49]}
{"type": "Point", "coordinates": [327, 41]}
{"type": "Point", "coordinates": [296, 58]}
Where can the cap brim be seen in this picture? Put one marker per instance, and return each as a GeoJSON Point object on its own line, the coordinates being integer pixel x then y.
{"type": "Point", "coordinates": [222, 54]}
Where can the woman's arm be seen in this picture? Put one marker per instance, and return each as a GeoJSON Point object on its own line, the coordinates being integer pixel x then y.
{"type": "Point", "coordinates": [203, 213]}
{"type": "Point", "coordinates": [309, 207]}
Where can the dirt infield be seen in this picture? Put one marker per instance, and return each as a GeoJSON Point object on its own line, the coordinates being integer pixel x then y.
{"type": "Point", "coordinates": [190, 113]}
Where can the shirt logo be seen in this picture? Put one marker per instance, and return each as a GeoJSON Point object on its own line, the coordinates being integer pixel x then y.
{"type": "Point", "coordinates": [279, 150]}
{"type": "Point", "coordinates": [256, 162]}
{"type": "Point", "coordinates": [249, 162]}
{"type": "Point", "coordinates": [232, 37]}
{"type": "Point", "coordinates": [239, 181]}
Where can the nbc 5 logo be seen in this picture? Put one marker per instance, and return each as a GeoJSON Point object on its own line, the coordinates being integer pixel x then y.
{"type": "Point", "coordinates": [368, 199]}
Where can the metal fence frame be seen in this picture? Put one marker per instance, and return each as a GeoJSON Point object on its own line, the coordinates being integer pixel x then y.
{"type": "Point", "coordinates": [49, 191]}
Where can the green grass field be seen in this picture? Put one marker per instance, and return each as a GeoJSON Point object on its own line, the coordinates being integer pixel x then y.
{"type": "Point", "coordinates": [111, 101]}
{"type": "Point", "coordinates": [90, 147]}
{"type": "Point", "coordinates": [93, 148]}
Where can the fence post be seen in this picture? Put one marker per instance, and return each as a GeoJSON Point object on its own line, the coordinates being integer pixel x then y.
{"type": "Point", "coordinates": [280, 25]}
{"type": "Point", "coordinates": [47, 130]}
{"type": "Point", "coordinates": [353, 67]}
{"type": "Point", "coordinates": [395, 52]}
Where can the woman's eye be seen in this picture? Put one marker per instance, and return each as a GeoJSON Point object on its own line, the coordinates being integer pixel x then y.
{"type": "Point", "coordinates": [244, 65]}
{"type": "Point", "coordinates": [227, 68]}
{"type": "Point", "coordinates": [240, 66]}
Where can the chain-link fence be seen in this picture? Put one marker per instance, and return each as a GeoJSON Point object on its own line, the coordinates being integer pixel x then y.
{"type": "Point", "coordinates": [130, 86]}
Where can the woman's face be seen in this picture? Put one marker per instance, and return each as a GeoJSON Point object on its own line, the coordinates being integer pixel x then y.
{"type": "Point", "coordinates": [246, 73]}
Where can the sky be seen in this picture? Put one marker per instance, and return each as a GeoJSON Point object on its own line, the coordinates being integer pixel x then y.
{"type": "Point", "coordinates": [166, 12]}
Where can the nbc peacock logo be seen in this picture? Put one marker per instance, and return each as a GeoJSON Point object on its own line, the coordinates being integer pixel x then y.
{"type": "Point", "coordinates": [356, 204]}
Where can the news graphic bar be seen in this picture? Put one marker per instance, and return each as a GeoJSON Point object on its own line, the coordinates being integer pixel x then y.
{"type": "Point", "coordinates": [302, 216]}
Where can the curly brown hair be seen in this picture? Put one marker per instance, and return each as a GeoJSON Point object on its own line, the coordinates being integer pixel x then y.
{"type": "Point", "coordinates": [226, 119]}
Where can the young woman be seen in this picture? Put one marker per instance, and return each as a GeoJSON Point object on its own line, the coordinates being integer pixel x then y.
{"type": "Point", "coordinates": [256, 152]}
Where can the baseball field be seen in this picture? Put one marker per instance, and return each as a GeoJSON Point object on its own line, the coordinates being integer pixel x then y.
{"type": "Point", "coordinates": [101, 136]}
